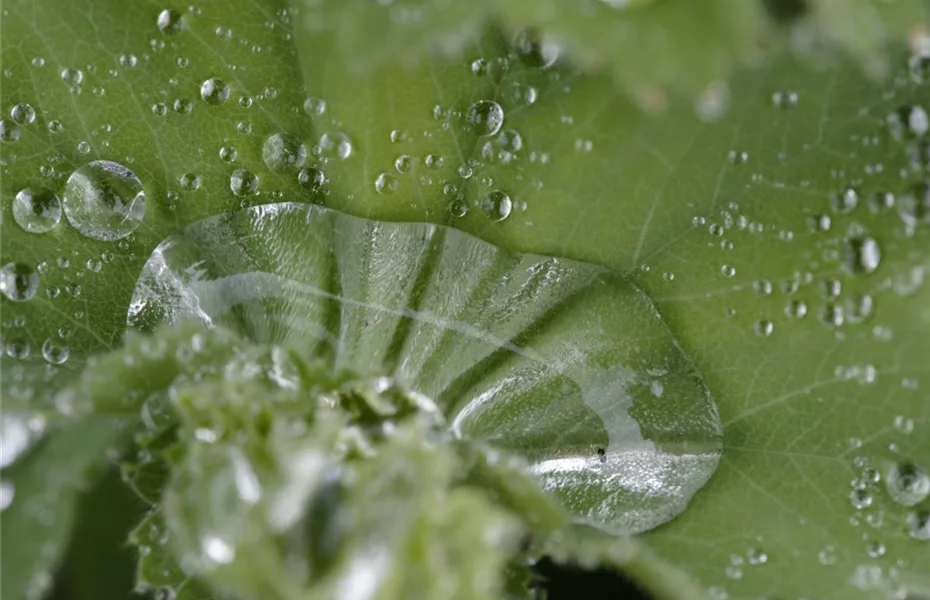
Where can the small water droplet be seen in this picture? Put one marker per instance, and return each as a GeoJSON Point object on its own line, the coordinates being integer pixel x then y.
{"type": "Point", "coordinates": [9, 131]}
{"type": "Point", "coordinates": [434, 161]}
{"type": "Point", "coordinates": [762, 287]}
{"type": "Point", "coordinates": [827, 556]}
{"type": "Point", "coordinates": [314, 106]}
{"type": "Point", "coordinates": [728, 271]}
{"type": "Point", "coordinates": [796, 309]}
{"type": "Point", "coordinates": [228, 154]}
{"type": "Point", "coordinates": [311, 179]}
{"type": "Point", "coordinates": [83, 147]}
{"type": "Point", "coordinates": [765, 328]}
{"type": "Point", "coordinates": [875, 549]}
{"type": "Point", "coordinates": [881, 202]}
{"type": "Point", "coordinates": [18, 281]}
{"type": "Point", "coordinates": [104, 200]}
{"type": "Point", "coordinates": [214, 91]}
{"type": "Point", "coordinates": [282, 151]}
{"type": "Point", "coordinates": [403, 163]}
{"type": "Point", "coordinates": [182, 106]}
{"type": "Point", "coordinates": [243, 183]}
{"type": "Point", "coordinates": [757, 556]}
{"type": "Point", "coordinates": [479, 66]}
{"type": "Point", "coordinates": [190, 182]}
{"type": "Point", "coordinates": [386, 183]}
{"type": "Point", "coordinates": [918, 525]}
{"type": "Point", "coordinates": [7, 493]}
{"type": "Point", "coordinates": [785, 99]}
{"type": "Point", "coordinates": [907, 484]}
{"type": "Point", "coordinates": [159, 109]}
{"type": "Point", "coordinates": [860, 499]}
{"type": "Point", "coordinates": [863, 254]}
{"type": "Point", "coordinates": [485, 117]}
{"type": "Point", "coordinates": [846, 201]}
{"type": "Point", "coordinates": [73, 77]}
{"type": "Point", "coordinates": [55, 126]}
{"type": "Point", "coordinates": [820, 223]}
{"type": "Point", "coordinates": [23, 113]}
{"type": "Point", "coordinates": [169, 21]}
{"type": "Point", "coordinates": [336, 144]}
{"type": "Point", "coordinates": [497, 205]}
{"type": "Point", "coordinates": [36, 211]}
{"type": "Point", "coordinates": [55, 352]}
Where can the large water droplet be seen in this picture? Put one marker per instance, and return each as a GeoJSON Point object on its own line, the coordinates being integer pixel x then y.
{"type": "Point", "coordinates": [485, 117]}
{"type": "Point", "coordinates": [554, 397]}
{"type": "Point", "coordinates": [36, 211]}
{"type": "Point", "coordinates": [55, 352]}
{"type": "Point", "coordinates": [907, 483]}
{"type": "Point", "coordinates": [18, 281]}
{"type": "Point", "coordinates": [104, 200]}
{"type": "Point", "coordinates": [282, 151]}
{"type": "Point", "coordinates": [863, 254]}
{"type": "Point", "coordinates": [214, 91]}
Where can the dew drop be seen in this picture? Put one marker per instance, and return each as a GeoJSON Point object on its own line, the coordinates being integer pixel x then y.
{"type": "Point", "coordinates": [336, 144]}
{"type": "Point", "coordinates": [827, 556]}
{"type": "Point", "coordinates": [863, 254]}
{"type": "Point", "coordinates": [23, 113]}
{"type": "Point", "coordinates": [314, 106]}
{"type": "Point", "coordinates": [909, 121]}
{"type": "Point", "coordinates": [497, 205]}
{"type": "Point", "coordinates": [434, 161]}
{"type": "Point", "coordinates": [104, 200]}
{"type": "Point", "coordinates": [54, 352]}
{"type": "Point", "coordinates": [859, 309]}
{"type": "Point", "coordinates": [190, 182]}
{"type": "Point", "coordinates": [7, 493]}
{"type": "Point", "coordinates": [182, 106]}
{"type": "Point", "coordinates": [765, 328]}
{"type": "Point", "coordinates": [243, 183]}
{"type": "Point", "coordinates": [534, 51]}
{"type": "Point", "coordinates": [757, 556]}
{"type": "Point", "coordinates": [311, 179]}
{"type": "Point", "coordinates": [9, 131]}
{"type": "Point", "coordinates": [73, 77]}
{"type": "Point", "coordinates": [36, 211]}
{"type": "Point", "coordinates": [914, 207]}
{"type": "Point", "coordinates": [485, 117]}
{"type": "Point", "coordinates": [503, 147]}
{"type": "Point", "coordinates": [479, 66]}
{"type": "Point", "coordinates": [907, 484]}
{"type": "Point", "coordinates": [159, 109]}
{"type": "Point", "coordinates": [820, 223]}
{"type": "Point", "coordinates": [796, 309]}
{"type": "Point", "coordinates": [228, 154]}
{"type": "Point", "coordinates": [169, 21]}
{"type": "Point", "coordinates": [214, 91]}
{"type": "Point", "coordinates": [860, 499]}
{"type": "Point", "coordinates": [403, 163]}
{"type": "Point", "coordinates": [881, 202]}
{"type": "Point", "coordinates": [18, 281]}
{"type": "Point", "coordinates": [875, 549]}
{"type": "Point", "coordinates": [727, 271]}
{"type": "Point", "coordinates": [282, 151]}
{"type": "Point", "coordinates": [918, 525]}
{"type": "Point", "coordinates": [386, 183]}
{"type": "Point", "coordinates": [846, 201]}
{"type": "Point", "coordinates": [55, 126]}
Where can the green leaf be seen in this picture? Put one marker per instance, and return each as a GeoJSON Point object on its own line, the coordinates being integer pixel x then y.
{"type": "Point", "coordinates": [40, 495]}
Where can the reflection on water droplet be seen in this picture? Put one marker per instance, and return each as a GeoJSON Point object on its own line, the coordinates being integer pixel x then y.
{"type": "Point", "coordinates": [403, 163]}
{"type": "Point", "coordinates": [214, 91]}
{"type": "Point", "coordinates": [765, 328]}
{"type": "Point", "coordinates": [907, 484]}
{"type": "Point", "coordinates": [875, 549]}
{"type": "Point", "coordinates": [485, 117]}
{"type": "Point", "coordinates": [73, 77]}
{"type": "Point", "coordinates": [497, 205]}
{"type": "Point", "coordinates": [228, 154]}
{"type": "Point", "coordinates": [796, 309]}
{"type": "Point", "coordinates": [386, 183]}
{"type": "Point", "coordinates": [36, 211]}
{"type": "Point", "coordinates": [728, 271]}
{"type": "Point", "coordinates": [827, 556]}
{"type": "Point", "coordinates": [479, 66]}
{"type": "Point", "coordinates": [434, 161]}
{"type": "Point", "coordinates": [18, 281]}
{"type": "Point", "coordinates": [282, 151]}
{"type": "Point", "coordinates": [104, 200]}
{"type": "Point", "coordinates": [881, 202]}
{"type": "Point", "coordinates": [243, 183]}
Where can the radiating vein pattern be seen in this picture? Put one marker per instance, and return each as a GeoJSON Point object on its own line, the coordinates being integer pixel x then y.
{"type": "Point", "coordinates": [561, 362]}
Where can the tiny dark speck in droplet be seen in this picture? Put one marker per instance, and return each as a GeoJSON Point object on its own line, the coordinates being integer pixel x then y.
{"type": "Point", "coordinates": [603, 454]}
{"type": "Point", "coordinates": [785, 11]}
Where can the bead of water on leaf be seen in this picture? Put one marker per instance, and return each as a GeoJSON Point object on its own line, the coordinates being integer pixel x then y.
{"type": "Point", "coordinates": [18, 281]}
{"type": "Point", "coordinates": [860, 499]}
{"type": "Point", "coordinates": [214, 91]}
{"type": "Point", "coordinates": [168, 21]}
{"type": "Point", "coordinates": [23, 113]}
{"type": "Point", "coordinates": [104, 200]}
{"type": "Point", "coordinates": [485, 117]}
{"type": "Point", "coordinates": [497, 205]}
{"type": "Point", "coordinates": [918, 525]}
{"type": "Point", "coordinates": [243, 183]}
{"type": "Point", "coordinates": [385, 183]}
{"type": "Point", "coordinates": [228, 154]}
{"type": "Point", "coordinates": [846, 201]}
{"type": "Point", "coordinates": [907, 483]}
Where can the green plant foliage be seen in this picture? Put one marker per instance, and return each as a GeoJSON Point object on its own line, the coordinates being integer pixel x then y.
{"type": "Point", "coordinates": [774, 217]}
